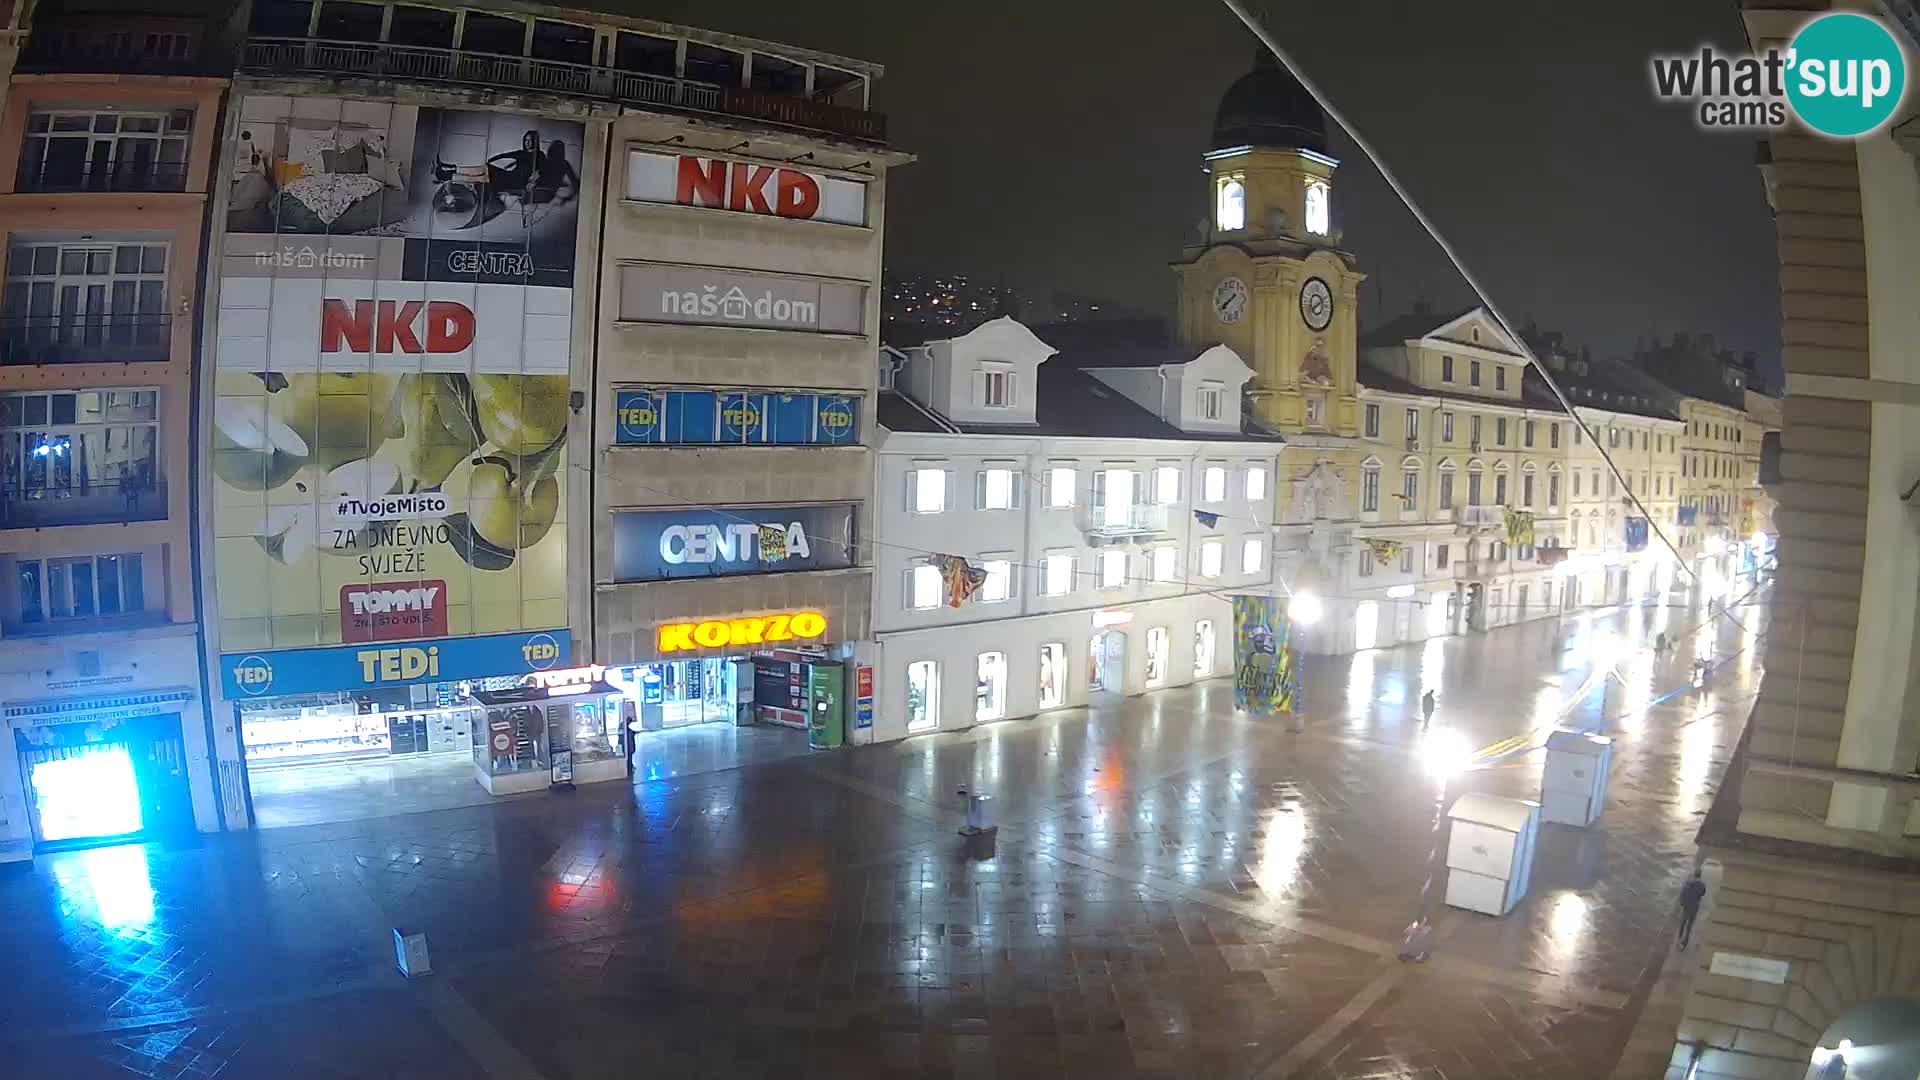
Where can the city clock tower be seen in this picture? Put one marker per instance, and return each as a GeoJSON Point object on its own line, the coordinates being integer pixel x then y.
{"type": "Point", "coordinates": [1268, 277]}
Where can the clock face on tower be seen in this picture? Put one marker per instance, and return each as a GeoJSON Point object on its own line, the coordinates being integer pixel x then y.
{"type": "Point", "coordinates": [1230, 300]}
{"type": "Point", "coordinates": [1316, 304]}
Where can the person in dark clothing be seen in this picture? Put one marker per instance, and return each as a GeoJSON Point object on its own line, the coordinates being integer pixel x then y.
{"type": "Point", "coordinates": [1691, 894]}
{"type": "Point", "coordinates": [1426, 710]}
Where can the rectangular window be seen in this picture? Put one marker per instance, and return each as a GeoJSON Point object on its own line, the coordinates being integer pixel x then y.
{"type": "Point", "coordinates": [1553, 436]}
{"type": "Point", "coordinates": [1053, 675]}
{"type": "Point", "coordinates": [1406, 559]}
{"type": "Point", "coordinates": [1213, 484]}
{"type": "Point", "coordinates": [1500, 489]}
{"type": "Point", "coordinates": [1473, 373]}
{"type": "Point", "coordinates": [997, 489]}
{"type": "Point", "coordinates": [1526, 433]}
{"type": "Point", "coordinates": [1060, 484]}
{"type": "Point", "coordinates": [1553, 490]}
{"type": "Point", "coordinates": [1577, 429]}
{"type": "Point", "coordinates": [1210, 559]}
{"type": "Point", "coordinates": [1369, 490]}
{"type": "Point", "coordinates": [1113, 569]}
{"type": "Point", "coordinates": [999, 583]}
{"type": "Point", "coordinates": [1203, 648]}
{"type": "Point", "coordinates": [923, 695]}
{"type": "Point", "coordinates": [74, 457]}
{"type": "Point", "coordinates": [1166, 563]}
{"type": "Point", "coordinates": [1473, 431]}
{"type": "Point", "coordinates": [1526, 491]}
{"type": "Point", "coordinates": [1446, 490]}
{"type": "Point", "coordinates": [1057, 579]}
{"type": "Point", "coordinates": [106, 151]}
{"type": "Point", "coordinates": [1210, 400]}
{"type": "Point", "coordinates": [1473, 488]}
{"type": "Point", "coordinates": [928, 490]}
{"type": "Point", "coordinates": [1410, 489]}
{"type": "Point", "coordinates": [1499, 376]}
{"type": "Point", "coordinates": [997, 389]}
{"type": "Point", "coordinates": [79, 588]}
{"type": "Point", "coordinates": [1252, 556]}
{"type": "Point", "coordinates": [1373, 421]}
{"type": "Point", "coordinates": [1446, 427]}
{"type": "Point", "coordinates": [1576, 484]}
{"type": "Point", "coordinates": [1500, 431]}
{"type": "Point", "coordinates": [923, 588]}
{"type": "Point", "coordinates": [1256, 483]}
{"type": "Point", "coordinates": [1366, 562]}
{"type": "Point", "coordinates": [1316, 409]}
{"type": "Point", "coordinates": [1413, 425]}
{"type": "Point", "coordinates": [1441, 552]}
{"type": "Point", "coordinates": [1166, 485]}
{"type": "Point", "coordinates": [1446, 369]}
{"type": "Point", "coordinates": [80, 301]}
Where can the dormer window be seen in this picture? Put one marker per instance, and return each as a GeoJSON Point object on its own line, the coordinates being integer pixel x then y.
{"type": "Point", "coordinates": [1230, 208]}
{"type": "Point", "coordinates": [1319, 208]}
{"type": "Point", "coordinates": [996, 388]}
{"type": "Point", "coordinates": [1210, 401]}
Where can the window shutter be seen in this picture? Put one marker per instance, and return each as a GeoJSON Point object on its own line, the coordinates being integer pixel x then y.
{"type": "Point", "coordinates": [907, 597]}
{"type": "Point", "coordinates": [1016, 485]}
{"type": "Point", "coordinates": [980, 489]}
{"type": "Point", "coordinates": [979, 388]}
{"type": "Point", "coordinates": [913, 483]}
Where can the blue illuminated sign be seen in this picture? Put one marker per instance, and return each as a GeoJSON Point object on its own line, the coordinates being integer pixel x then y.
{"type": "Point", "coordinates": [734, 418]}
{"type": "Point", "coordinates": [397, 663]}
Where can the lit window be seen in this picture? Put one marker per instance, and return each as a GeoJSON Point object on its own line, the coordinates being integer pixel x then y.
{"type": "Point", "coordinates": [1316, 410]}
{"type": "Point", "coordinates": [1113, 569]}
{"type": "Point", "coordinates": [1210, 555]}
{"type": "Point", "coordinates": [1231, 212]}
{"type": "Point", "coordinates": [1203, 647]}
{"type": "Point", "coordinates": [1166, 485]}
{"type": "Point", "coordinates": [990, 686]}
{"type": "Point", "coordinates": [1318, 214]}
{"type": "Point", "coordinates": [997, 389]}
{"type": "Point", "coordinates": [1060, 485]}
{"type": "Point", "coordinates": [1058, 579]}
{"type": "Point", "coordinates": [1256, 484]}
{"type": "Point", "coordinates": [1252, 555]}
{"type": "Point", "coordinates": [929, 487]}
{"type": "Point", "coordinates": [1370, 489]}
{"type": "Point", "coordinates": [923, 588]}
{"type": "Point", "coordinates": [999, 583]}
{"type": "Point", "coordinates": [1213, 485]}
{"type": "Point", "coordinates": [1211, 400]}
{"type": "Point", "coordinates": [997, 490]}
{"type": "Point", "coordinates": [1166, 562]}
{"type": "Point", "coordinates": [1053, 675]}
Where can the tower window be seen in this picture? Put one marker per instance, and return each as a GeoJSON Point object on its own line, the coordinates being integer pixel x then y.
{"type": "Point", "coordinates": [1231, 213]}
{"type": "Point", "coordinates": [1318, 212]}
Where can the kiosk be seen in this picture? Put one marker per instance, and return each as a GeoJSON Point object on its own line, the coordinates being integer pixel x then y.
{"type": "Point", "coordinates": [1490, 848]}
{"type": "Point", "coordinates": [1573, 787]}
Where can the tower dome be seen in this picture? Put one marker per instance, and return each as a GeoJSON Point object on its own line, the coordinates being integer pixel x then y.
{"type": "Point", "coordinates": [1267, 108]}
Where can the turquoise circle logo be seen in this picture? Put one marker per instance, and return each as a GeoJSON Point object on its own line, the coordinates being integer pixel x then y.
{"type": "Point", "coordinates": [1846, 74]}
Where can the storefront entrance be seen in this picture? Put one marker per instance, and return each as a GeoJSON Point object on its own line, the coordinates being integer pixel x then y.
{"type": "Point", "coordinates": [1107, 663]}
{"type": "Point", "coordinates": [106, 781]}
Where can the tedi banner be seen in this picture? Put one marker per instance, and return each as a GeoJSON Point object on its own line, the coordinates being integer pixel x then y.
{"type": "Point", "coordinates": [1842, 75]}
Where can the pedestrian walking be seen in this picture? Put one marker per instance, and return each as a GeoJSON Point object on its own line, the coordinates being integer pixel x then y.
{"type": "Point", "coordinates": [1426, 710]}
{"type": "Point", "coordinates": [1417, 941]}
{"type": "Point", "coordinates": [1691, 894]}
{"type": "Point", "coordinates": [1660, 644]}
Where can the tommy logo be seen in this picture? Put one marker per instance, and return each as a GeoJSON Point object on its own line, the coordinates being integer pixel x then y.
{"type": "Point", "coordinates": [395, 326]}
{"type": "Point", "coordinates": [393, 611]}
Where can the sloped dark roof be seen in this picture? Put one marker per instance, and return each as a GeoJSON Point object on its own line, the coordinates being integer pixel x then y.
{"type": "Point", "coordinates": [1070, 403]}
{"type": "Point", "coordinates": [1616, 387]}
{"type": "Point", "coordinates": [1533, 391]}
{"type": "Point", "coordinates": [1414, 324]}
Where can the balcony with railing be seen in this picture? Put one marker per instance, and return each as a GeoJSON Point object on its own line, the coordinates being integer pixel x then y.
{"type": "Point", "coordinates": [94, 504]}
{"type": "Point", "coordinates": [118, 44]}
{"type": "Point", "coordinates": [1475, 569]}
{"type": "Point", "coordinates": [389, 60]}
{"type": "Point", "coordinates": [1479, 517]}
{"type": "Point", "coordinates": [1123, 521]}
{"type": "Point", "coordinates": [124, 176]}
{"type": "Point", "coordinates": [85, 339]}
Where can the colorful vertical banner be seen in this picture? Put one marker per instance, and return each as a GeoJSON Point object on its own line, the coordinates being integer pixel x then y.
{"type": "Point", "coordinates": [1266, 671]}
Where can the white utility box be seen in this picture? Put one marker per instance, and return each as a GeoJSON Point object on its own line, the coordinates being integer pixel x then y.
{"type": "Point", "coordinates": [1490, 843]}
{"type": "Point", "coordinates": [1573, 787]}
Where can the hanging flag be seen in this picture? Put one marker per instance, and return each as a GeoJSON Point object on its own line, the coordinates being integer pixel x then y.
{"type": "Point", "coordinates": [1384, 551]}
{"type": "Point", "coordinates": [1519, 527]}
{"type": "Point", "coordinates": [1205, 518]}
{"type": "Point", "coordinates": [773, 543]}
{"type": "Point", "coordinates": [962, 578]}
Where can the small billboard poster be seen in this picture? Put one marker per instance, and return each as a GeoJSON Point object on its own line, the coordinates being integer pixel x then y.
{"type": "Point", "coordinates": [1266, 670]}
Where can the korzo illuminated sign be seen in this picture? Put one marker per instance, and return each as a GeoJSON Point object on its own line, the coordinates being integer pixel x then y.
{"type": "Point", "coordinates": [750, 630]}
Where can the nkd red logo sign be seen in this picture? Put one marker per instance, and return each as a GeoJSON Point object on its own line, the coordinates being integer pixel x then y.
{"type": "Point", "coordinates": [393, 611]}
{"type": "Point", "coordinates": [722, 184]}
{"type": "Point", "coordinates": [395, 326]}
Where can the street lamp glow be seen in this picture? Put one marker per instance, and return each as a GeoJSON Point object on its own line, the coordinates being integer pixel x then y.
{"type": "Point", "coordinates": [1304, 608]}
{"type": "Point", "coordinates": [1444, 753]}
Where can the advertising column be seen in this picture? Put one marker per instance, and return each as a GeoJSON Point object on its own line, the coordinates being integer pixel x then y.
{"type": "Point", "coordinates": [389, 425]}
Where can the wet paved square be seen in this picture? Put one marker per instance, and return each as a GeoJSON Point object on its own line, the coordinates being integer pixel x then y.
{"type": "Point", "coordinates": [1174, 891]}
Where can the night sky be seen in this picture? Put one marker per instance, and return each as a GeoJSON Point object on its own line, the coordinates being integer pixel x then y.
{"type": "Point", "coordinates": [1060, 142]}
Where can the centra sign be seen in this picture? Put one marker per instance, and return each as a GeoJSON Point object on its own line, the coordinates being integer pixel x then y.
{"type": "Point", "coordinates": [750, 630]}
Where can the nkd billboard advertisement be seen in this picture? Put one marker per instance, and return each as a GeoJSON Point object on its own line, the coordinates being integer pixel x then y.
{"type": "Point", "coordinates": [654, 545]}
{"type": "Point", "coordinates": [389, 431]}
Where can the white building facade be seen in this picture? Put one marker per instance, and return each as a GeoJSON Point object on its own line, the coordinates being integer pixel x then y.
{"type": "Point", "coordinates": [1113, 510]}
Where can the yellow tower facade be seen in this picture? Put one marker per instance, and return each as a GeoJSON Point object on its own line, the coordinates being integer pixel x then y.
{"type": "Point", "coordinates": [1268, 277]}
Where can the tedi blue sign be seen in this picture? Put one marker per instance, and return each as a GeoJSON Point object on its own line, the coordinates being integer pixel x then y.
{"type": "Point", "coordinates": [399, 663]}
{"type": "Point", "coordinates": [652, 545]}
